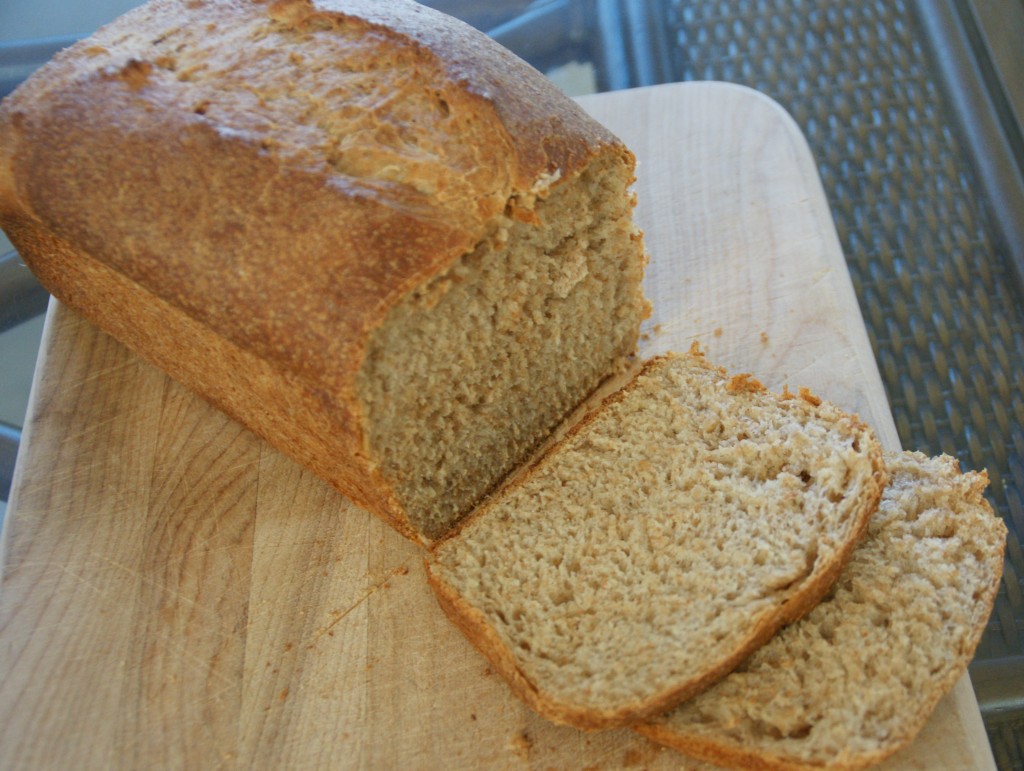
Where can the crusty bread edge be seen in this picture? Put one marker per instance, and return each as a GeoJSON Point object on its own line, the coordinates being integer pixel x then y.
{"type": "Point", "coordinates": [483, 636]}
{"type": "Point", "coordinates": [211, 366]}
{"type": "Point", "coordinates": [736, 755]}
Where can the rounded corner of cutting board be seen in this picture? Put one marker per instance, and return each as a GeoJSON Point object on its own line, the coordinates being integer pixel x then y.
{"type": "Point", "coordinates": [732, 97]}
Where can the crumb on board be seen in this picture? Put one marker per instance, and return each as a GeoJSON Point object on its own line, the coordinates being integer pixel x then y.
{"type": "Point", "coordinates": [654, 331]}
{"type": "Point", "coordinates": [764, 338]}
{"type": "Point", "coordinates": [802, 393]}
{"type": "Point", "coordinates": [521, 744]}
{"type": "Point", "coordinates": [809, 397]}
{"type": "Point", "coordinates": [744, 382]}
{"type": "Point", "coordinates": [717, 332]}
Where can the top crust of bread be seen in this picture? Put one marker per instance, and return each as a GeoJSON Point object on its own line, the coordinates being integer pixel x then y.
{"type": "Point", "coordinates": [405, 200]}
{"type": "Point", "coordinates": [594, 553]}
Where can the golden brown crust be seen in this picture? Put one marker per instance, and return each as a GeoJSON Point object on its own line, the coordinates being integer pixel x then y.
{"type": "Point", "coordinates": [174, 224]}
{"type": "Point", "coordinates": [728, 756]}
{"type": "Point", "coordinates": [302, 425]}
{"type": "Point", "coordinates": [199, 165]}
{"type": "Point", "coordinates": [248, 154]}
{"type": "Point", "coordinates": [483, 636]}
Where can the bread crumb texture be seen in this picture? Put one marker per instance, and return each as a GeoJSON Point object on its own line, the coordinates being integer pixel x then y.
{"type": "Point", "coordinates": [471, 371]}
{"type": "Point", "coordinates": [857, 678]}
{"type": "Point", "coordinates": [647, 553]}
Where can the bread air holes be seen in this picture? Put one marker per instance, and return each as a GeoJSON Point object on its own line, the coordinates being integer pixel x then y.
{"type": "Point", "coordinates": [562, 597]}
{"type": "Point", "coordinates": [799, 731]}
{"type": "Point", "coordinates": [879, 620]}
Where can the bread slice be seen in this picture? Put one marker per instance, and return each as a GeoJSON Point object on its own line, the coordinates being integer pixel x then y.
{"type": "Point", "coordinates": [667, 536]}
{"type": "Point", "coordinates": [857, 678]}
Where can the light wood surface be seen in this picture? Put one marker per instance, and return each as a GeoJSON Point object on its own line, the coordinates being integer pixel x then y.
{"type": "Point", "coordinates": [176, 594]}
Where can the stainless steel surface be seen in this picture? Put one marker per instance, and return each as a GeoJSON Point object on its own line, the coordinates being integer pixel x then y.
{"type": "Point", "coordinates": [999, 685]}
{"type": "Point", "coordinates": [633, 49]}
{"type": "Point", "coordinates": [1000, 27]}
{"type": "Point", "coordinates": [974, 86]}
{"type": "Point", "coordinates": [21, 296]}
{"type": "Point", "coordinates": [20, 58]}
{"type": "Point", "coordinates": [10, 436]}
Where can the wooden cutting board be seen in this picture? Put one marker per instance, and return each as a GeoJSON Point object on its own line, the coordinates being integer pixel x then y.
{"type": "Point", "coordinates": [176, 594]}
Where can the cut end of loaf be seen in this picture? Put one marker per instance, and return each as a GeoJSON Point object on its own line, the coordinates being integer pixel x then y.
{"type": "Point", "coordinates": [472, 371]}
{"type": "Point", "coordinates": [666, 537]}
{"type": "Point", "coordinates": [858, 677]}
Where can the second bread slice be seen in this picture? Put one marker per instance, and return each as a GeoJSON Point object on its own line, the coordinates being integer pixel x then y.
{"type": "Point", "coordinates": [858, 677]}
{"type": "Point", "coordinates": [669, 535]}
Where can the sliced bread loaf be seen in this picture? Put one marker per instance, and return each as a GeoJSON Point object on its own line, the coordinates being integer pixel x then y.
{"type": "Point", "coordinates": [667, 536]}
{"type": "Point", "coordinates": [361, 227]}
{"type": "Point", "coordinates": [857, 678]}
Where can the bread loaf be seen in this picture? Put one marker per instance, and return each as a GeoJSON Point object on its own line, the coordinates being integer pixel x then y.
{"type": "Point", "coordinates": [670, 534]}
{"type": "Point", "coordinates": [856, 679]}
{"type": "Point", "coordinates": [360, 227]}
